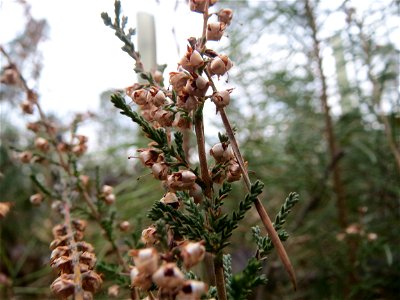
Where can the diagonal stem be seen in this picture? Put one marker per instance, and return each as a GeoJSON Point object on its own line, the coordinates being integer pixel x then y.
{"type": "Point", "coordinates": [260, 208]}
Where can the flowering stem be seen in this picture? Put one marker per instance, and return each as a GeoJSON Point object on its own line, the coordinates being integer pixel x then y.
{"type": "Point", "coordinates": [219, 277]}
{"type": "Point", "coordinates": [199, 129]}
{"type": "Point", "coordinates": [78, 291]}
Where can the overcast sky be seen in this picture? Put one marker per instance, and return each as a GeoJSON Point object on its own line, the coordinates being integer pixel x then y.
{"type": "Point", "coordinates": [82, 57]}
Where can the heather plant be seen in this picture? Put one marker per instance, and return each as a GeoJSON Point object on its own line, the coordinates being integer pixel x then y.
{"type": "Point", "coordinates": [183, 253]}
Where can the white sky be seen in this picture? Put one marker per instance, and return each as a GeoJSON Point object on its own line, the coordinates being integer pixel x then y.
{"type": "Point", "coordinates": [82, 57]}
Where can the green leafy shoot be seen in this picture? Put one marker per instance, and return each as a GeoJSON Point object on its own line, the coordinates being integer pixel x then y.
{"type": "Point", "coordinates": [243, 283]}
{"type": "Point", "coordinates": [264, 243]}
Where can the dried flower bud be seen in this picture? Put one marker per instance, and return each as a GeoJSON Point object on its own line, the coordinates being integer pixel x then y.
{"type": "Point", "coordinates": [168, 276]}
{"type": "Point", "coordinates": [221, 152]}
{"type": "Point", "coordinates": [110, 199]}
{"type": "Point", "coordinates": [181, 180]}
{"type": "Point", "coordinates": [182, 121]}
{"type": "Point", "coordinates": [10, 75]}
{"type": "Point", "coordinates": [57, 206]}
{"type": "Point", "coordinates": [149, 236]}
{"type": "Point", "coordinates": [158, 98]}
{"type": "Point", "coordinates": [25, 157]}
{"type": "Point", "coordinates": [160, 170]}
{"type": "Point", "coordinates": [36, 199]}
{"type": "Point", "coordinates": [215, 31]}
{"type": "Point", "coordinates": [220, 65]}
{"type": "Point", "coordinates": [146, 260]}
{"type": "Point", "coordinates": [192, 253]}
{"type": "Point", "coordinates": [157, 76]}
{"type": "Point", "coordinates": [62, 263]}
{"type": "Point", "coordinates": [164, 117]}
{"type": "Point", "coordinates": [372, 236]}
{"type": "Point", "coordinates": [178, 80]}
{"type": "Point", "coordinates": [91, 281]}
{"type": "Point", "coordinates": [33, 126]}
{"type": "Point", "coordinates": [79, 224]}
{"type": "Point", "coordinates": [140, 97]}
{"type": "Point", "coordinates": [234, 173]}
{"type": "Point", "coordinates": [4, 208]}
{"type": "Point", "coordinates": [140, 279]}
{"type": "Point", "coordinates": [63, 286]}
{"type": "Point", "coordinates": [88, 258]}
{"type": "Point", "coordinates": [171, 199]}
{"type": "Point", "coordinates": [113, 291]}
{"type": "Point", "coordinates": [124, 226]}
{"type": "Point", "coordinates": [225, 15]}
{"type": "Point", "coordinates": [198, 5]}
{"type": "Point", "coordinates": [27, 107]}
{"type": "Point", "coordinates": [79, 149]}
{"type": "Point", "coordinates": [107, 190]}
{"type": "Point", "coordinates": [187, 102]}
{"type": "Point", "coordinates": [82, 139]}
{"type": "Point", "coordinates": [221, 98]}
{"type": "Point", "coordinates": [197, 86]}
{"type": "Point", "coordinates": [148, 156]}
{"type": "Point", "coordinates": [84, 179]}
{"type": "Point", "coordinates": [191, 60]}
{"type": "Point", "coordinates": [196, 192]}
{"type": "Point", "coordinates": [42, 144]}
{"type": "Point", "coordinates": [192, 290]}
{"type": "Point", "coordinates": [353, 229]}
{"type": "Point", "coordinates": [59, 230]}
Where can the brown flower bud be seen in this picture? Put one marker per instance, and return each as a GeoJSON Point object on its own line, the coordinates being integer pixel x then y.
{"type": "Point", "coordinates": [79, 149]}
{"type": "Point", "coordinates": [187, 102]}
{"type": "Point", "coordinates": [160, 170]}
{"type": "Point", "coordinates": [36, 199]}
{"type": "Point", "coordinates": [164, 117]}
{"type": "Point", "coordinates": [148, 156]}
{"type": "Point", "coordinates": [192, 290]}
{"type": "Point", "coordinates": [84, 179]}
{"type": "Point", "coordinates": [59, 230]}
{"type": "Point", "coordinates": [181, 180]}
{"type": "Point", "coordinates": [197, 86]}
{"type": "Point", "coordinates": [79, 224]}
{"type": "Point", "coordinates": [220, 65]}
{"type": "Point", "coordinates": [196, 192]}
{"type": "Point", "coordinates": [159, 98]}
{"type": "Point", "coordinates": [146, 260]}
{"type": "Point", "coordinates": [91, 281]}
{"type": "Point", "coordinates": [25, 157]}
{"type": "Point", "coordinates": [157, 76]}
{"type": "Point", "coordinates": [171, 199]}
{"type": "Point", "coordinates": [107, 190]}
{"type": "Point", "coordinates": [215, 31]}
{"type": "Point", "coordinates": [221, 98]}
{"type": "Point", "coordinates": [110, 199]}
{"type": "Point", "coordinates": [4, 208]}
{"type": "Point", "coordinates": [225, 15]}
{"type": "Point", "coordinates": [168, 276]}
{"type": "Point", "coordinates": [124, 226]}
{"type": "Point", "coordinates": [113, 291]}
{"type": "Point", "coordinates": [234, 173]}
{"type": "Point", "coordinates": [63, 286]}
{"type": "Point", "coordinates": [42, 144]}
{"type": "Point", "coordinates": [10, 75]}
{"type": "Point", "coordinates": [221, 152]}
{"type": "Point", "coordinates": [149, 236]}
{"type": "Point", "coordinates": [192, 253]}
{"type": "Point", "coordinates": [88, 258]}
{"type": "Point", "coordinates": [198, 5]}
{"type": "Point", "coordinates": [140, 279]}
{"type": "Point", "coordinates": [27, 107]}
{"type": "Point", "coordinates": [178, 80]}
{"type": "Point", "coordinates": [33, 126]}
{"type": "Point", "coordinates": [140, 97]}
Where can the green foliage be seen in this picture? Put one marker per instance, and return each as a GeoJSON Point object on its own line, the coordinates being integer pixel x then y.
{"type": "Point", "coordinates": [243, 283]}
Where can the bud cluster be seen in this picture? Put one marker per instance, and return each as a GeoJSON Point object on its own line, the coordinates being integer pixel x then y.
{"type": "Point", "coordinates": [63, 247]}
{"type": "Point", "coordinates": [227, 167]}
{"type": "Point", "coordinates": [149, 269]}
